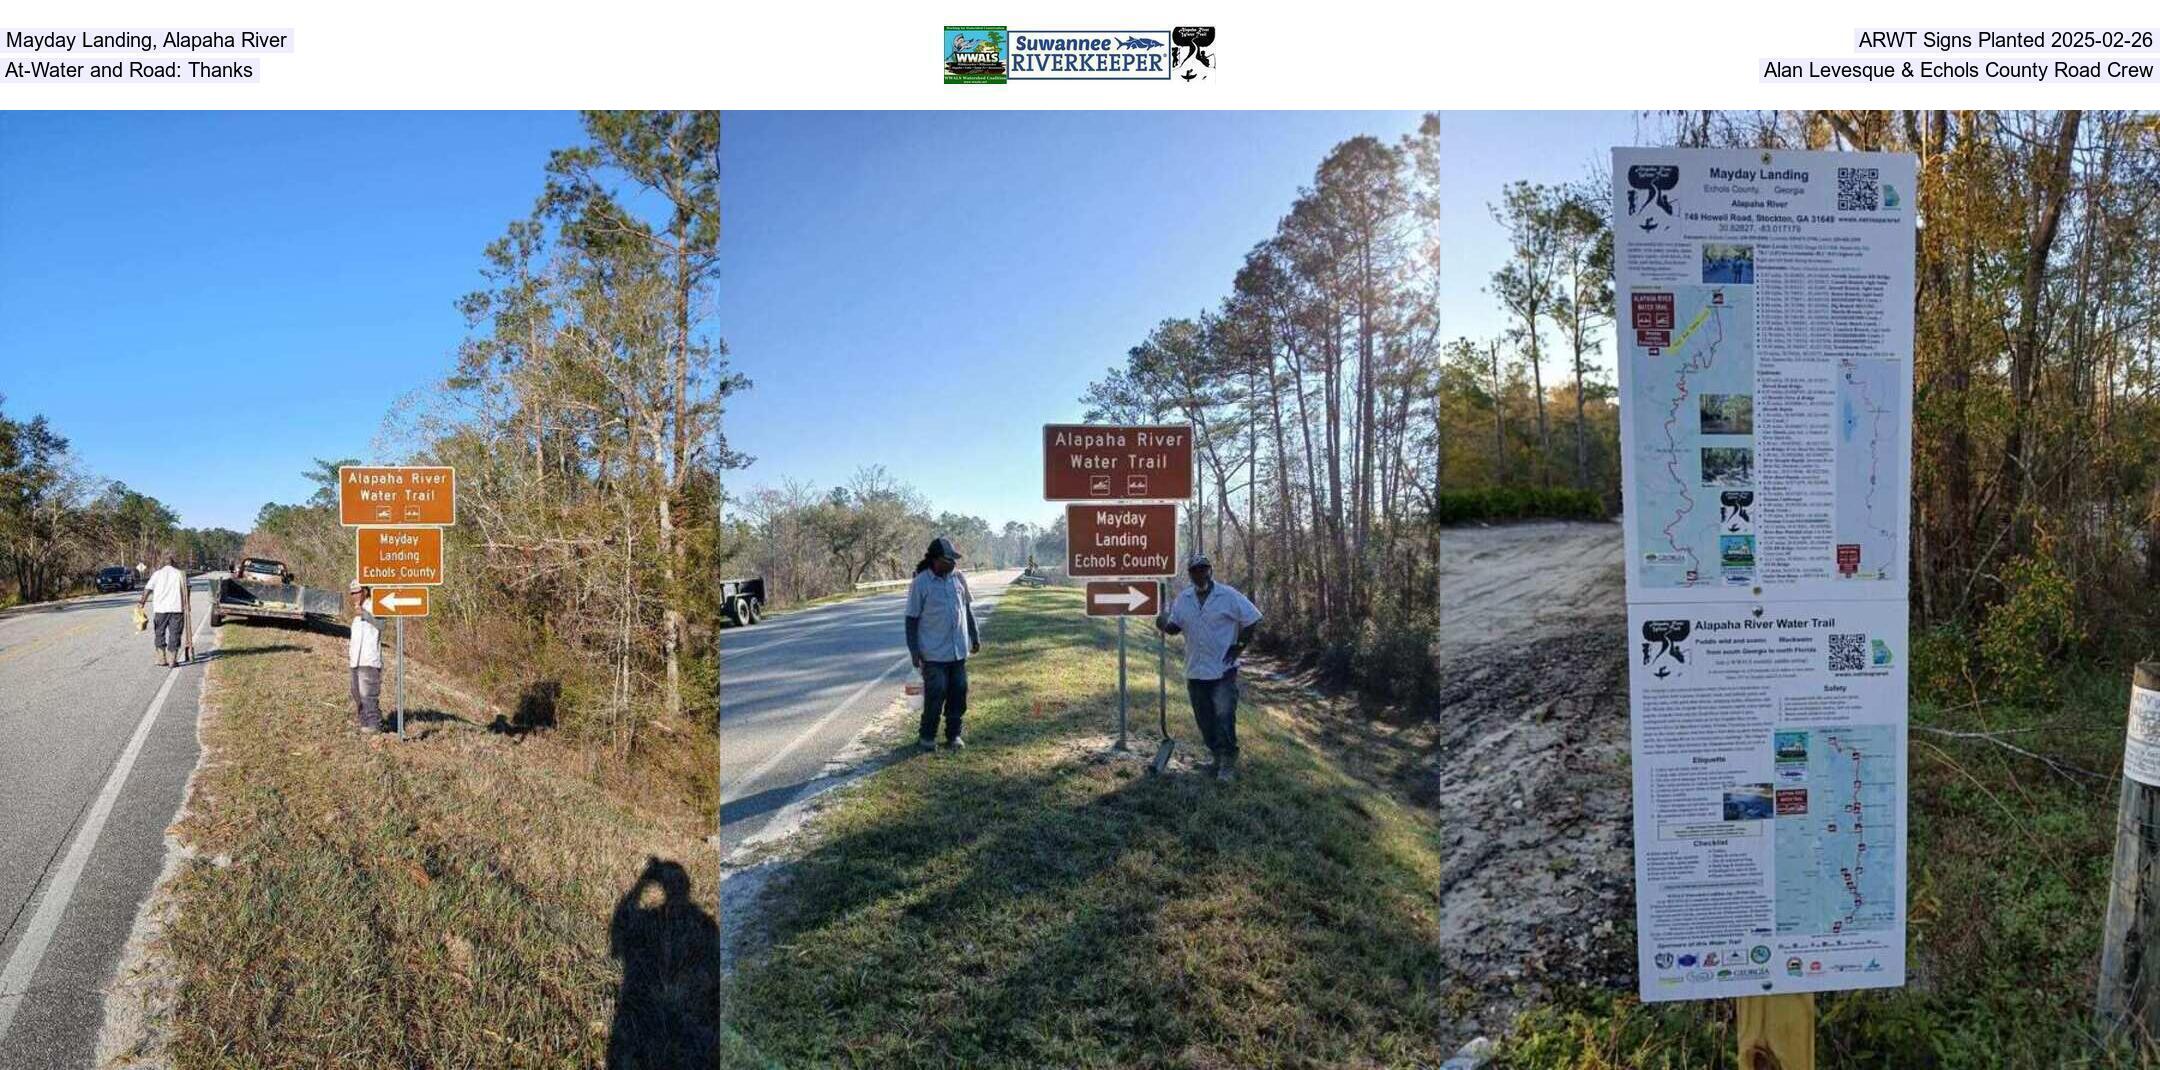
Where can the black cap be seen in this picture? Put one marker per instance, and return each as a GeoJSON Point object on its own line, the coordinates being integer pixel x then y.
{"type": "Point", "coordinates": [942, 547]}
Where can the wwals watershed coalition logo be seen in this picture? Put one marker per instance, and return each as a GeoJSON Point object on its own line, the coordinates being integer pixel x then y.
{"type": "Point", "coordinates": [995, 55]}
{"type": "Point", "coordinates": [975, 55]}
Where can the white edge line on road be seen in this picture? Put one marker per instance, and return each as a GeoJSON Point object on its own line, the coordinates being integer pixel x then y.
{"type": "Point", "coordinates": [778, 756]}
{"type": "Point", "coordinates": [30, 951]}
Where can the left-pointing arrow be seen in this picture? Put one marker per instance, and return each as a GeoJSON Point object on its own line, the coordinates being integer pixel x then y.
{"type": "Point", "coordinates": [394, 600]}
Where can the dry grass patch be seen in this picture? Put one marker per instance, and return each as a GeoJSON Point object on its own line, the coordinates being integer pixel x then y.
{"type": "Point", "coordinates": [470, 898]}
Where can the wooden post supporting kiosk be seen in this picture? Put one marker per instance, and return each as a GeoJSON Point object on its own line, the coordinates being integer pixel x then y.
{"type": "Point", "coordinates": [1776, 1032]}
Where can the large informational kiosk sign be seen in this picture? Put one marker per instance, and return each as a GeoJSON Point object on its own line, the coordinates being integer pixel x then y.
{"type": "Point", "coordinates": [1765, 304]}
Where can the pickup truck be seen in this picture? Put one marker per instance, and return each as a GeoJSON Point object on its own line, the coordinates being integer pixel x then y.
{"type": "Point", "coordinates": [262, 588]}
{"type": "Point", "coordinates": [262, 570]}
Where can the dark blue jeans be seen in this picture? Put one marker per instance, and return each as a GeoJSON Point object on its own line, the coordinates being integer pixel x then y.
{"type": "Point", "coordinates": [944, 691]}
{"type": "Point", "coordinates": [1214, 707]}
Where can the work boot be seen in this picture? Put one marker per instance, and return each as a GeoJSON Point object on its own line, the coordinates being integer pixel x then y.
{"type": "Point", "coordinates": [1214, 763]}
{"type": "Point", "coordinates": [1226, 768]}
{"type": "Point", "coordinates": [956, 743]}
{"type": "Point", "coordinates": [926, 744]}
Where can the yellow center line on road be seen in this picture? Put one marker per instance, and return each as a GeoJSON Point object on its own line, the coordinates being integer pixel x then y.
{"type": "Point", "coordinates": [48, 638]}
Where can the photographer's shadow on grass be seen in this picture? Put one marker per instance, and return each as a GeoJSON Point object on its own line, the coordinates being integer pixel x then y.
{"type": "Point", "coordinates": [667, 1012]}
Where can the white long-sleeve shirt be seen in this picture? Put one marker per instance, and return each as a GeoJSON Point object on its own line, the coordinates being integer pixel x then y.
{"type": "Point", "coordinates": [168, 590]}
{"type": "Point", "coordinates": [364, 649]}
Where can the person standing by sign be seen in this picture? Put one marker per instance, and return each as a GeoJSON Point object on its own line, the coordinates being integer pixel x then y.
{"type": "Point", "coordinates": [1217, 621]}
{"type": "Point", "coordinates": [166, 593]}
{"type": "Point", "coordinates": [363, 654]}
{"type": "Point", "coordinates": [940, 636]}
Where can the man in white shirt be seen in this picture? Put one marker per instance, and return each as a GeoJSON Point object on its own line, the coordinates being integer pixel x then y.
{"type": "Point", "coordinates": [1217, 621]}
{"type": "Point", "coordinates": [166, 595]}
{"type": "Point", "coordinates": [363, 654]}
{"type": "Point", "coordinates": [940, 622]}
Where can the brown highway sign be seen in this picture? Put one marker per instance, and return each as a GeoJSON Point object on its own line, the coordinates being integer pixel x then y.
{"type": "Point", "coordinates": [397, 495]}
{"type": "Point", "coordinates": [399, 601]}
{"type": "Point", "coordinates": [1123, 598]}
{"type": "Point", "coordinates": [1092, 462]}
{"type": "Point", "coordinates": [399, 557]}
{"type": "Point", "coordinates": [1121, 540]}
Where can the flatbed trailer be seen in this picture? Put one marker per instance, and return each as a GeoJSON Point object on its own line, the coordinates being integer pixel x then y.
{"type": "Point", "coordinates": [244, 599]}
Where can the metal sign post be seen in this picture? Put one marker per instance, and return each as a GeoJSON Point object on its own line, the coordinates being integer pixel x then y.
{"type": "Point", "coordinates": [1121, 684]}
{"type": "Point", "coordinates": [1168, 746]}
{"type": "Point", "coordinates": [401, 679]}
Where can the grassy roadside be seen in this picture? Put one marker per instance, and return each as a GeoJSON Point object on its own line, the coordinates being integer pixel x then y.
{"type": "Point", "coordinates": [468, 899]}
{"type": "Point", "coordinates": [2008, 882]}
{"type": "Point", "coordinates": [1028, 904]}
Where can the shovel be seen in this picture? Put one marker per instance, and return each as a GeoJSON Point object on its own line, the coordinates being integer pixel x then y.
{"type": "Point", "coordinates": [1168, 746]}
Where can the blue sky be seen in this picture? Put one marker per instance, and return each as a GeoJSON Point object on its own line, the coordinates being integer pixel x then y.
{"type": "Point", "coordinates": [922, 290]}
{"type": "Point", "coordinates": [925, 290]}
{"type": "Point", "coordinates": [203, 302]}
{"type": "Point", "coordinates": [1481, 152]}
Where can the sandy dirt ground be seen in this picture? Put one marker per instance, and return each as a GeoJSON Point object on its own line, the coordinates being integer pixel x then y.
{"type": "Point", "coordinates": [1530, 768]}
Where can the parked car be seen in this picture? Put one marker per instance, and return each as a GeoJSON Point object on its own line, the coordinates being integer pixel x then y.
{"type": "Point", "coordinates": [115, 578]}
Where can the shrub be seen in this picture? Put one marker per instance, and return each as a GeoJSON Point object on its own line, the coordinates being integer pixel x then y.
{"type": "Point", "coordinates": [1393, 658]}
{"type": "Point", "coordinates": [1338, 654]}
{"type": "Point", "coordinates": [1520, 503]}
{"type": "Point", "coordinates": [1942, 661]}
{"type": "Point", "coordinates": [2023, 638]}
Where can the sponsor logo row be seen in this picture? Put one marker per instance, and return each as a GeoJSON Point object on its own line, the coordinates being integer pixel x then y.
{"type": "Point", "coordinates": [1710, 966]}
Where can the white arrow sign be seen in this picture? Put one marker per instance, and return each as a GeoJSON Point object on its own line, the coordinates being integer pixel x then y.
{"type": "Point", "coordinates": [1133, 598]}
{"type": "Point", "coordinates": [394, 600]}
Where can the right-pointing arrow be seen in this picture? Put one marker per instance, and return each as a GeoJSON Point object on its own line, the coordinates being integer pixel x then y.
{"type": "Point", "coordinates": [1132, 599]}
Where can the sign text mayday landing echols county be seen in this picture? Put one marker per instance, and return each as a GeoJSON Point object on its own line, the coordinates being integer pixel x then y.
{"type": "Point", "coordinates": [397, 495]}
{"type": "Point", "coordinates": [409, 557]}
{"type": "Point", "coordinates": [1087, 462]}
{"type": "Point", "coordinates": [1121, 540]}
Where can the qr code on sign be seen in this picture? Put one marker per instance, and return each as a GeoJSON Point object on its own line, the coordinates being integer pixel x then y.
{"type": "Point", "coordinates": [1848, 653]}
{"type": "Point", "coordinates": [1859, 189]}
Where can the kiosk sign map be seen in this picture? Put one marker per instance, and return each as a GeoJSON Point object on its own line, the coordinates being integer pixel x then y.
{"type": "Point", "coordinates": [1870, 477]}
{"type": "Point", "coordinates": [1764, 323]}
{"type": "Point", "coordinates": [1835, 788]}
{"type": "Point", "coordinates": [1691, 411]}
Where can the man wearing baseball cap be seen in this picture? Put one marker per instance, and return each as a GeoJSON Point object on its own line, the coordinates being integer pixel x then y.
{"type": "Point", "coordinates": [1216, 621]}
{"type": "Point", "coordinates": [940, 636]}
{"type": "Point", "coordinates": [363, 653]}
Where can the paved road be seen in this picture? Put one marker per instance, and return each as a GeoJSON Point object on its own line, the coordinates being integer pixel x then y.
{"type": "Point", "coordinates": [797, 688]}
{"type": "Point", "coordinates": [82, 755]}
